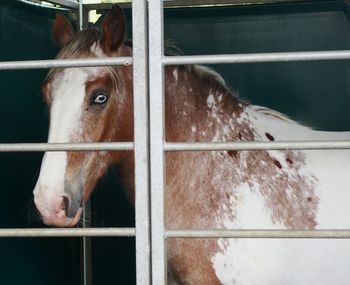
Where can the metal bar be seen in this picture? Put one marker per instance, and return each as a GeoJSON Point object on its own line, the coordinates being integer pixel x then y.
{"type": "Point", "coordinates": [80, 14]}
{"type": "Point", "coordinates": [87, 241]}
{"type": "Point", "coordinates": [56, 63]}
{"type": "Point", "coordinates": [258, 145]}
{"type": "Point", "coordinates": [257, 57]}
{"type": "Point", "coordinates": [178, 60]}
{"type": "Point", "coordinates": [106, 6]}
{"type": "Point", "coordinates": [200, 3]}
{"type": "Point", "coordinates": [344, 234]}
{"type": "Point", "coordinates": [156, 74]}
{"type": "Point", "coordinates": [65, 3]}
{"type": "Point", "coordinates": [141, 141]}
{"type": "Point", "coordinates": [209, 3]}
{"type": "Point", "coordinates": [190, 146]}
{"type": "Point", "coordinates": [101, 146]}
{"type": "Point", "coordinates": [87, 246]}
{"type": "Point", "coordinates": [86, 12]}
{"type": "Point", "coordinates": [66, 232]}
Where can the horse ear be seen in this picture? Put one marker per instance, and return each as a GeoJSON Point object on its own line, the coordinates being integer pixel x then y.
{"type": "Point", "coordinates": [114, 30]}
{"type": "Point", "coordinates": [62, 30]}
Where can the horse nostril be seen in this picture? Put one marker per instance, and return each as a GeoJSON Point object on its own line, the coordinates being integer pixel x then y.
{"type": "Point", "coordinates": [65, 203]}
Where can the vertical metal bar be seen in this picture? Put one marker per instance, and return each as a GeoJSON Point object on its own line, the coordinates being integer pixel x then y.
{"type": "Point", "coordinates": [87, 241]}
{"type": "Point", "coordinates": [156, 73]}
{"type": "Point", "coordinates": [80, 14]}
{"type": "Point", "coordinates": [141, 139]}
{"type": "Point", "coordinates": [87, 247]}
{"type": "Point", "coordinates": [85, 14]}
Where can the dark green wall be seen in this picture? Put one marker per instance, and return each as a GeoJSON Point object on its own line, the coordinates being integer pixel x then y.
{"type": "Point", "coordinates": [25, 34]}
{"type": "Point", "coordinates": [315, 93]}
{"type": "Point", "coordinates": [312, 92]}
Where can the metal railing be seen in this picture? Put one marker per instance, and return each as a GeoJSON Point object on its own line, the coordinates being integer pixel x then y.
{"type": "Point", "coordinates": [149, 136]}
{"type": "Point", "coordinates": [140, 146]}
{"type": "Point", "coordinates": [178, 60]}
{"type": "Point", "coordinates": [340, 234]}
{"type": "Point", "coordinates": [257, 57]}
{"type": "Point", "coordinates": [158, 145]}
{"type": "Point", "coordinates": [64, 63]}
{"type": "Point", "coordinates": [30, 147]}
{"type": "Point", "coordinates": [66, 232]}
{"type": "Point", "coordinates": [72, 4]}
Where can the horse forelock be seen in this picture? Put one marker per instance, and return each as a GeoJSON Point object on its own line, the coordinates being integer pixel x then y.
{"type": "Point", "coordinates": [80, 45]}
{"type": "Point", "coordinates": [86, 44]}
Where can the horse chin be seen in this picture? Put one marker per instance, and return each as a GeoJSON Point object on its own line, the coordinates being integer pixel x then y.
{"type": "Point", "coordinates": [76, 219]}
{"type": "Point", "coordinates": [63, 222]}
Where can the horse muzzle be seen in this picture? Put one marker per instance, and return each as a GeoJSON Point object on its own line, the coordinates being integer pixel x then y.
{"type": "Point", "coordinates": [62, 210]}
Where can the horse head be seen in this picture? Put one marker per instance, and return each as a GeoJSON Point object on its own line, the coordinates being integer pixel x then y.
{"type": "Point", "coordinates": [86, 105]}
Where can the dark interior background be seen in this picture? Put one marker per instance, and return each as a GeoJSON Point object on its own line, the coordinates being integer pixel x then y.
{"type": "Point", "coordinates": [316, 93]}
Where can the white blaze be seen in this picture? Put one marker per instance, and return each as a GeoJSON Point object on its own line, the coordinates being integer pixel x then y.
{"type": "Point", "coordinates": [67, 104]}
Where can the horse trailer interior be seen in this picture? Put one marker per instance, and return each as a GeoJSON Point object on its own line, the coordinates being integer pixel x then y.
{"type": "Point", "coordinates": [289, 55]}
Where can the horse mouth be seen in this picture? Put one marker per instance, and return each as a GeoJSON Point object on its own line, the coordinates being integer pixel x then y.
{"type": "Point", "coordinates": [64, 222]}
{"type": "Point", "coordinates": [76, 219]}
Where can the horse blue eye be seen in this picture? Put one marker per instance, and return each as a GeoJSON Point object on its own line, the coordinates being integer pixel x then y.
{"type": "Point", "coordinates": [99, 98]}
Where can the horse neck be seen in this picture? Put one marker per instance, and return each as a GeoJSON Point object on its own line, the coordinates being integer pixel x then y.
{"type": "Point", "coordinates": [196, 102]}
{"type": "Point", "coordinates": [125, 169]}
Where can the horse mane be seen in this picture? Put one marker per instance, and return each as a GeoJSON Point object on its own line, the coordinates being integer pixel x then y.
{"type": "Point", "coordinates": [80, 45]}
{"type": "Point", "coordinates": [273, 113]}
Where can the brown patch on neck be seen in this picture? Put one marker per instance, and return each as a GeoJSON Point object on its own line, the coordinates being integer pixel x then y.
{"type": "Point", "coordinates": [190, 260]}
{"type": "Point", "coordinates": [198, 183]}
{"type": "Point", "coordinates": [186, 91]}
{"type": "Point", "coordinates": [288, 193]}
{"type": "Point", "coordinates": [282, 184]}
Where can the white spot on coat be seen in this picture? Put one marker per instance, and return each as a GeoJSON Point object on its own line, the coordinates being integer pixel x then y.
{"type": "Point", "coordinates": [175, 74]}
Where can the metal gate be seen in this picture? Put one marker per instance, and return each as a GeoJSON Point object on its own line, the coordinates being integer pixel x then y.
{"type": "Point", "coordinates": [150, 146]}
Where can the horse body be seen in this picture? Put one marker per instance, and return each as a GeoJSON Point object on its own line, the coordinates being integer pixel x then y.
{"type": "Point", "coordinates": [250, 190]}
{"type": "Point", "coordinates": [205, 190]}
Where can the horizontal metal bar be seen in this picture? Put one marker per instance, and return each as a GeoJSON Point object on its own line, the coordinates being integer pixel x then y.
{"type": "Point", "coordinates": [65, 3]}
{"type": "Point", "coordinates": [261, 145]}
{"type": "Point", "coordinates": [208, 3]}
{"type": "Point", "coordinates": [190, 146]}
{"type": "Point", "coordinates": [69, 232]}
{"type": "Point", "coordinates": [56, 63]}
{"type": "Point", "coordinates": [344, 234]}
{"type": "Point", "coordinates": [197, 3]}
{"type": "Point", "coordinates": [101, 146]}
{"type": "Point", "coordinates": [257, 57]}
{"type": "Point", "coordinates": [105, 6]}
{"type": "Point", "coordinates": [174, 60]}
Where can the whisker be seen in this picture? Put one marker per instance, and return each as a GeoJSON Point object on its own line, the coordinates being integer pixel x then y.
{"type": "Point", "coordinates": [31, 213]}
{"type": "Point", "coordinates": [87, 219]}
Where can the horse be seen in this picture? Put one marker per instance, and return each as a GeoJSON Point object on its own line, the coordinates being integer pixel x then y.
{"type": "Point", "coordinates": [261, 189]}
